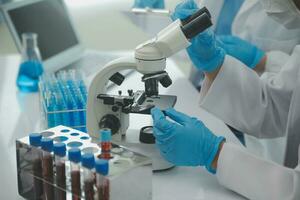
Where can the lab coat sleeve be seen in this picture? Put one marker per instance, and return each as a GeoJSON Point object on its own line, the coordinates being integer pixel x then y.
{"type": "Point", "coordinates": [256, 178]}
{"type": "Point", "coordinates": [240, 98]}
{"type": "Point", "coordinates": [273, 64]}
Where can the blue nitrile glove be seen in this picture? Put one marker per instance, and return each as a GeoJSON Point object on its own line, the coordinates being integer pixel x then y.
{"type": "Point", "coordinates": [160, 4]}
{"type": "Point", "coordinates": [242, 50]}
{"type": "Point", "coordinates": [184, 9]}
{"type": "Point", "coordinates": [185, 142]}
{"type": "Point", "coordinates": [203, 51]}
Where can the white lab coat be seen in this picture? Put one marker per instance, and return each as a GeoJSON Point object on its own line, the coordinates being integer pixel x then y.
{"type": "Point", "coordinates": [254, 25]}
{"type": "Point", "coordinates": [265, 109]}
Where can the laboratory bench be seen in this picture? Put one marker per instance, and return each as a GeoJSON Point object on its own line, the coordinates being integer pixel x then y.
{"type": "Point", "coordinates": [20, 114]}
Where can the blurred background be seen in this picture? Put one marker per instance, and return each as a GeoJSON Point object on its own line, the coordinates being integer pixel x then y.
{"type": "Point", "coordinates": [100, 23]}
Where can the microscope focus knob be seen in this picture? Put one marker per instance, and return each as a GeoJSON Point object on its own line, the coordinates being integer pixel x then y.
{"type": "Point", "coordinates": [130, 92]}
{"type": "Point", "coordinates": [146, 135]}
{"type": "Point", "coordinates": [110, 121]}
{"type": "Point", "coordinates": [117, 78]}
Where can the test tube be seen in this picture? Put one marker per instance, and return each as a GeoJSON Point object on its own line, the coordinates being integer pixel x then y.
{"type": "Point", "coordinates": [105, 135]}
{"type": "Point", "coordinates": [102, 182]}
{"type": "Point", "coordinates": [88, 162]}
{"type": "Point", "coordinates": [35, 142]}
{"type": "Point", "coordinates": [60, 165]}
{"type": "Point", "coordinates": [75, 157]}
{"type": "Point", "coordinates": [47, 164]}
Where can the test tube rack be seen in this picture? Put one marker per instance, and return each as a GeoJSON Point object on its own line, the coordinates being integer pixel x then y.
{"type": "Point", "coordinates": [63, 98]}
{"type": "Point", "coordinates": [130, 173]}
{"type": "Point", "coordinates": [51, 118]}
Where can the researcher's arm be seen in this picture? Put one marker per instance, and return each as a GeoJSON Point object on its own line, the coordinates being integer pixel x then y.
{"type": "Point", "coordinates": [249, 54]}
{"type": "Point", "coordinates": [254, 177]}
{"type": "Point", "coordinates": [238, 96]}
{"type": "Point", "coordinates": [186, 141]}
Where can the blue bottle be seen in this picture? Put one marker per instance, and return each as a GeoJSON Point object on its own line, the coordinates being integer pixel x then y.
{"type": "Point", "coordinates": [31, 67]}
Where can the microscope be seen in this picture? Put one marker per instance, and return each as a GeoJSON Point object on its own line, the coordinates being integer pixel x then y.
{"type": "Point", "coordinates": [112, 111]}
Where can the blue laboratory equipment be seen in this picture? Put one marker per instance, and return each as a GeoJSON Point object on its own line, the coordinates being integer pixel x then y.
{"type": "Point", "coordinates": [63, 96]}
{"type": "Point", "coordinates": [31, 66]}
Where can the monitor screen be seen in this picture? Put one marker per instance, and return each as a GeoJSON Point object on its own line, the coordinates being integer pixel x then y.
{"type": "Point", "coordinates": [50, 21]}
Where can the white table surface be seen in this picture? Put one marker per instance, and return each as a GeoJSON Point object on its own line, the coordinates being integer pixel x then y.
{"type": "Point", "coordinates": [20, 115]}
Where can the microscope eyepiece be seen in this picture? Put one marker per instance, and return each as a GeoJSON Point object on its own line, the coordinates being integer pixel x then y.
{"type": "Point", "coordinates": [196, 23]}
{"type": "Point", "coordinates": [196, 26]}
{"type": "Point", "coordinates": [200, 12]}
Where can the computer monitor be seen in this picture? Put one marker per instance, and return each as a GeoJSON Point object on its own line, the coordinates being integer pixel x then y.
{"type": "Point", "coordinates": [58, 41]}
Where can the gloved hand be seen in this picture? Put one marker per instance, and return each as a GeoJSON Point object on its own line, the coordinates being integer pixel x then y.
{"type": "Point", "coordinates": [149, 3]}
{"type": "Point", "coordinates": [185, 142]}
{"type": "Point", "coordinates": [242, 50]}
{"type": "Point", "coordinates": [203, 51]}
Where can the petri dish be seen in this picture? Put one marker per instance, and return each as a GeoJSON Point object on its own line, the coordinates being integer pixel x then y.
{"type": "Point", "coordinates": [117, 150]}
{"type": "Point", "coordinates": [128, 154]}
{"type": "Point", "coordinates": [122, 163]}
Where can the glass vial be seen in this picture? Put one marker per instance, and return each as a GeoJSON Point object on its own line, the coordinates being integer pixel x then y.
{"type": "Point", "coordinates": [35, 142]}
{"type": "Point", "coordinates": [74, 155]}
{"type": "Point", "coordinates": [47, 163]}
{"type": "Point", "coordinates": [88, 163]}
{"type": "Point", "coordinates": [102, 181]}
{"type": "Point", "coordinates": [105, 137]}
{"type": "Point", "coordinates": [31, 66]}
{"type": "Point", "coordinates": [60, 166]}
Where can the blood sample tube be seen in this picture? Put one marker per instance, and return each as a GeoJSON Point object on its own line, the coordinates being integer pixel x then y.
{"type": "Point", "coordinates": [35, 142]}
{"type": "Point", "coordinates": [105, 135]}
{"type": "Point", "coordinates": [60, 166]}
{"type": "Point", "coordinates": [47, 164]}
{"type": "Point", "coordinates": [88, 162]}
{"type": "Point", "coordinates": [74, 155]}
{"type": "Point", "coordinates": [102, 182]}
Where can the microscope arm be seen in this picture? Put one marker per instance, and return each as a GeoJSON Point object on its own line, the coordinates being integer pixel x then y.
{"type": "Point", "coordinates": [95, 109]}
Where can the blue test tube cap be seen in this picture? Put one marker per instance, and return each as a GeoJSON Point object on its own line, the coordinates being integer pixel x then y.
{"type": "Point", "coordinates": [88, 160]}
{"type": "Point", "coordinates": [74, 155]}
{"type": "Point", "coordinates": [47, 144]}
{"type": "Point", "coordinates": [102, 166]}
{"type": "Point", "coordinates": [105, 135]}
{"type": "Point", "coordinates": [35, 139]}
{"type": "Point", "coordinates": [59, 149]}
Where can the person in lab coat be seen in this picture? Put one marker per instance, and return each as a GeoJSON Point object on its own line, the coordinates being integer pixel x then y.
{"type": "Point", "coordinates": [255, 24]}
{"type": "Point", "coordinates": [267, 109]}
